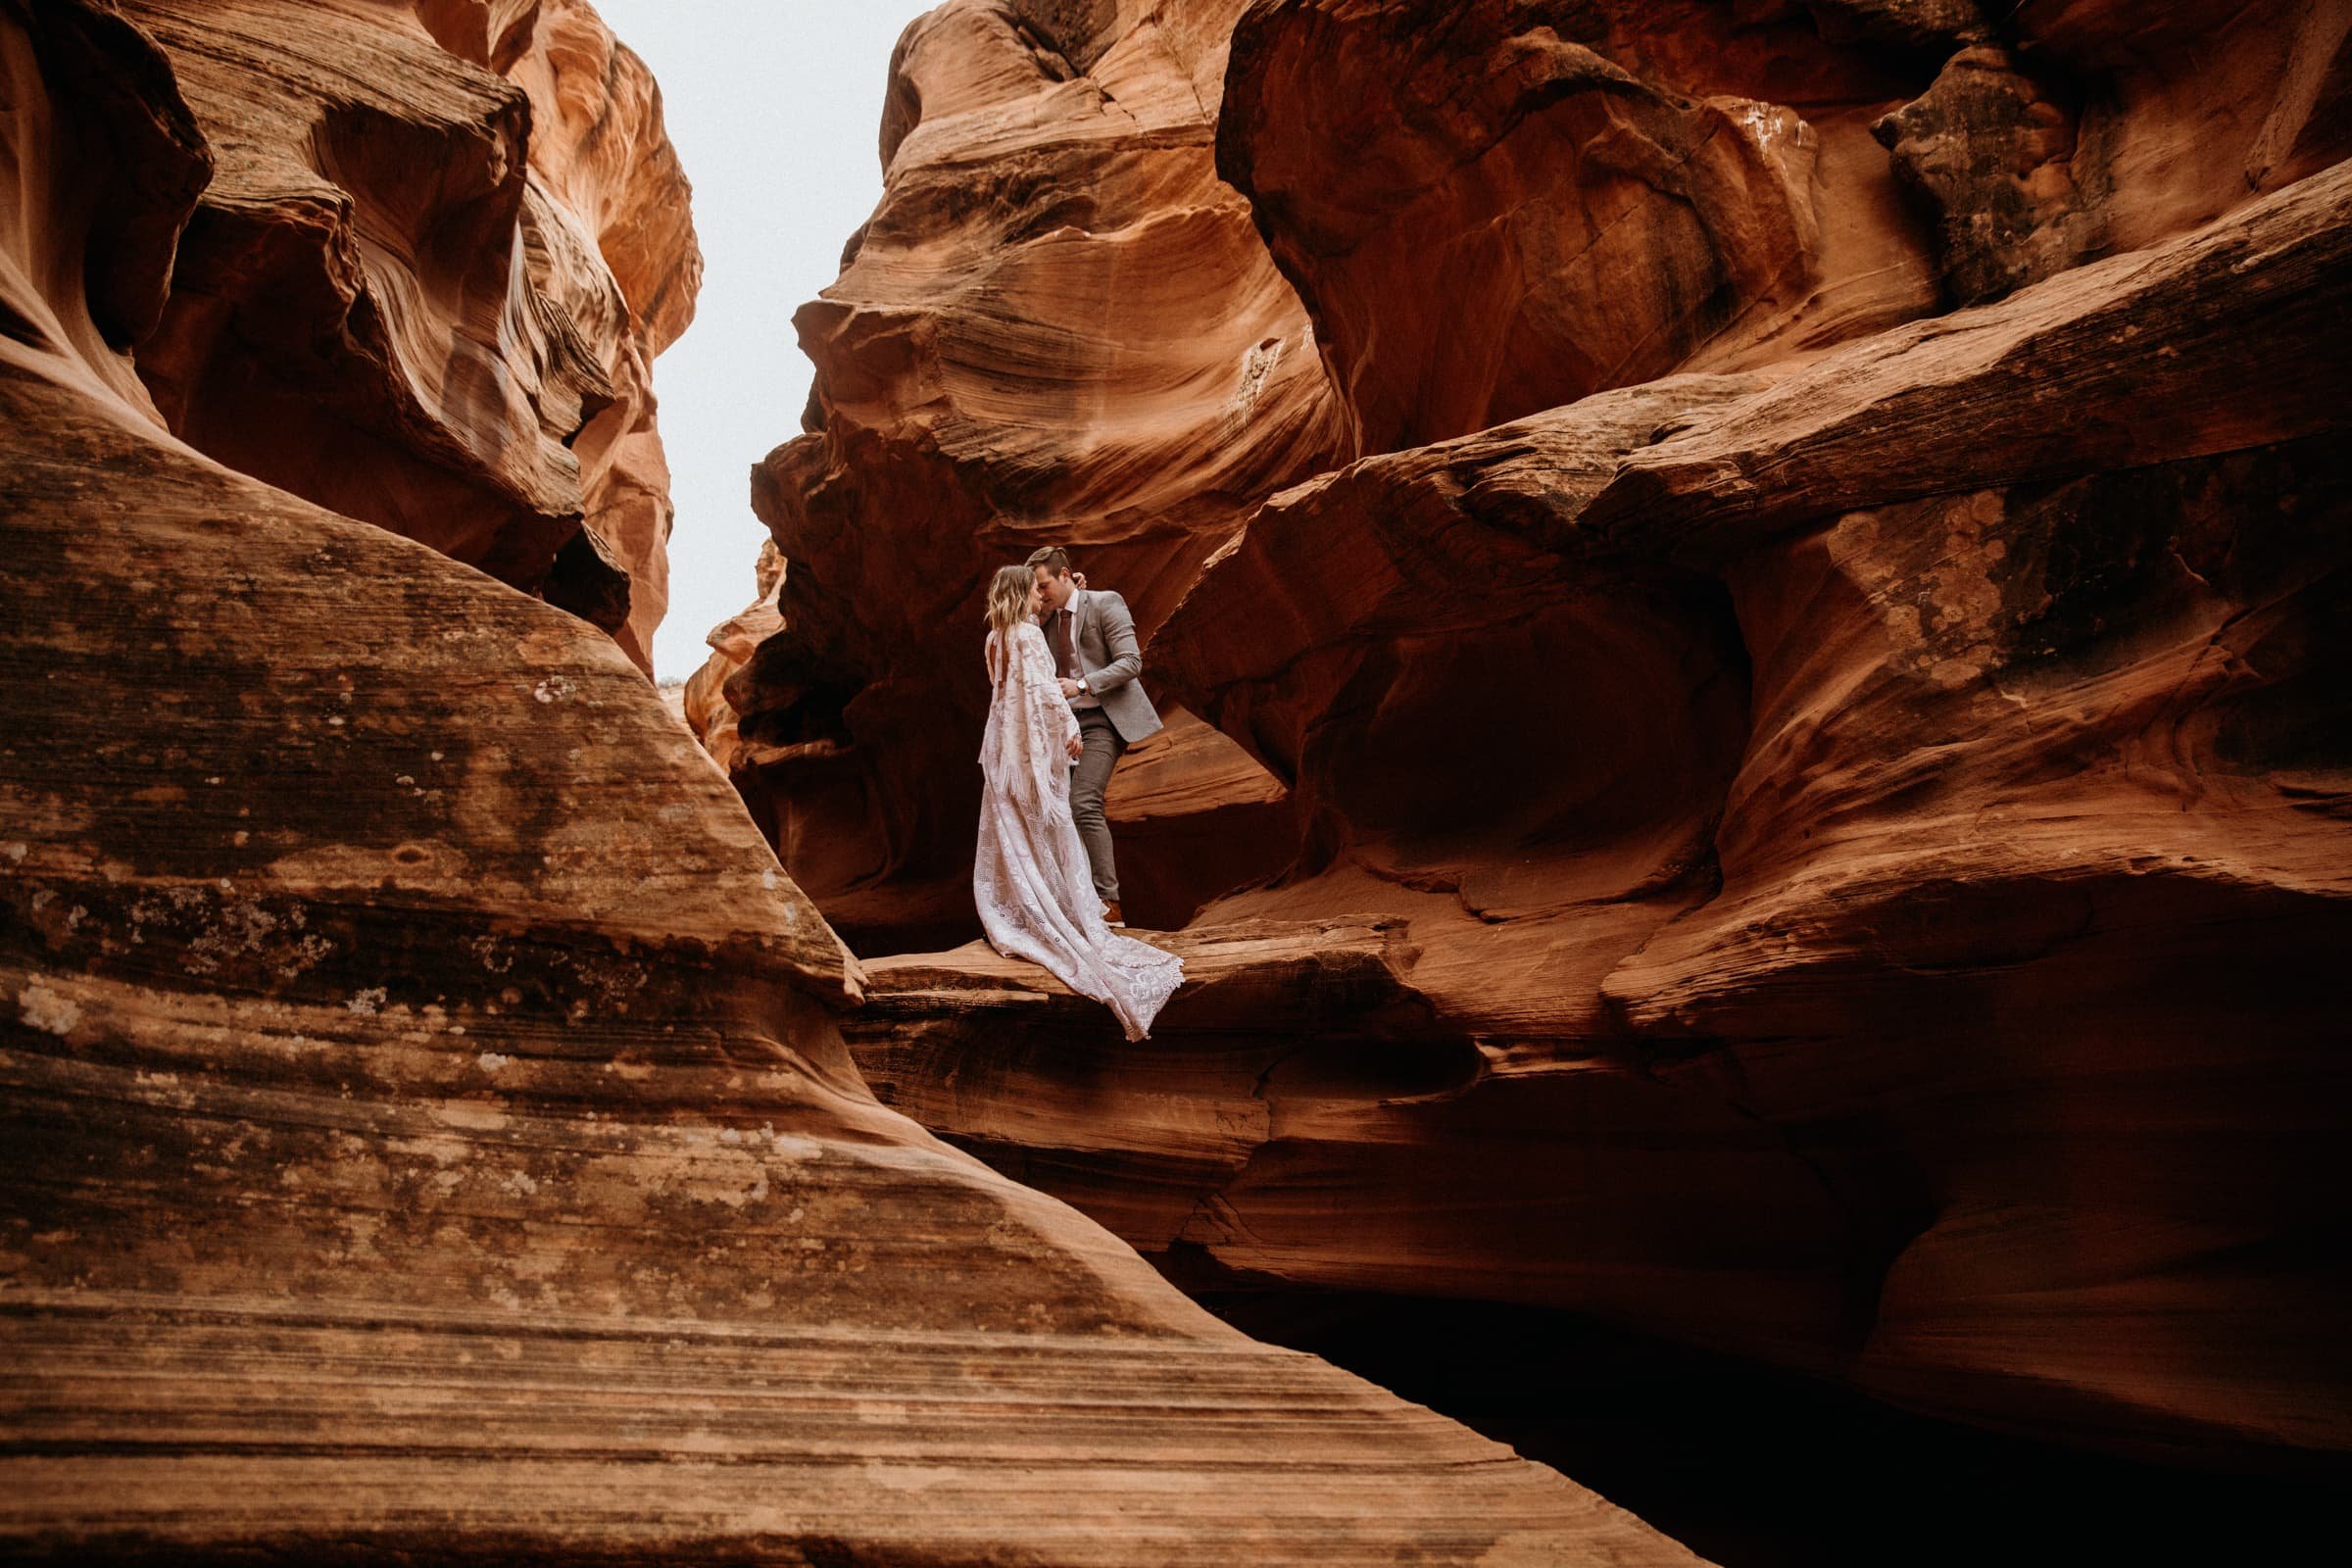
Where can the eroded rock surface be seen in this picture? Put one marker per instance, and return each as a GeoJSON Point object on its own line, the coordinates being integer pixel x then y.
{"type": "Point", "coordinates": [1496, 208]}
{"type": "Point", "coordinates": [1367, 1102]}
{"type": "Point", "coordinates": [426, 1129]}
{"type": "Point", "coordinates": [1200, 818]}
{"type": "Point", "coordinates": [1138, 268]}
{"type": "Point", "coordinates": [703, 702]}
{"type": "Point", "coordinates": [426, 295]}
{"type": "Point", "coordinates": [613, 247]}
{"type": "Point", "coordinates": [1797, 633]}
{"type": "Point", "coordinates": [1059, 327]}
{"type": "Point", "coordinates": [1876, 920]}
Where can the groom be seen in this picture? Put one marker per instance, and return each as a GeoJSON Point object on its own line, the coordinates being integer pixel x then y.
{"type": "Point", "coordinates": [1095, 653]}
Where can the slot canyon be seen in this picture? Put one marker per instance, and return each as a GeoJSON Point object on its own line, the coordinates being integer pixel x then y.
{"type": "Point", "coordinates": [1753, 605]}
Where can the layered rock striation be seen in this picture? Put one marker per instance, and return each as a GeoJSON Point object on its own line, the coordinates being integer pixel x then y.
{"type": "Point", "coordinates": [426, 1128]}
{"type": "Point", "coordinates": [1805, 699]}
{"type": "Point", "coordinates": [425, 284]}
{"type": "Point", "coordinates": [1059, 326]}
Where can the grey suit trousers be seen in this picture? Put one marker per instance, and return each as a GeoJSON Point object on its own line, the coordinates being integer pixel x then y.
{"type": "Point", "coordinates": [1090, 775]}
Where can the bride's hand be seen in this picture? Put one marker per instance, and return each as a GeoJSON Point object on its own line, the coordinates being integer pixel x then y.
{"type": "Point", "coordinates": [1077, 747]}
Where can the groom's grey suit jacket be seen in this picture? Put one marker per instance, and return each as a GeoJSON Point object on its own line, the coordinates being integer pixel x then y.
{"type": "Point", "coordinates": [1103, 632]}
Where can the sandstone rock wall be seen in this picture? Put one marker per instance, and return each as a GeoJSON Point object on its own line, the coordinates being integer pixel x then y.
{"type": "Point", "coordinates": [1805, 694]}
{"type": "Point", "coordinates": [615, 231]}
{"type": "Point", "coordinates": [427, 295]}
{"type": "Point", "coordinates": [1950, 750]}
{"type": "Point", "coordinates": [1495, 209]}
{"type": "Point", "coordinates": [1058, 328]}
{"type": "Point", "coordinates": [1498, 208]}
{"type": "Point", "coordinates": [426, 1133]}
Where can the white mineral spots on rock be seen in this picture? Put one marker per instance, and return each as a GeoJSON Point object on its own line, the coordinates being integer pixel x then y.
{"type": "Point", "coordinates": [45, 1010]}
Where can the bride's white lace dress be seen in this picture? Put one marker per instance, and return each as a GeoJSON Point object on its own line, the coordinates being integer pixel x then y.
{"type": "Point", "coordinates": [1030, 879]}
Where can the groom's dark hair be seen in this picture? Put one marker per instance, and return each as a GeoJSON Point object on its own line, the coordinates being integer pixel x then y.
{"type": "Point", "coordinates": [1053, 557]}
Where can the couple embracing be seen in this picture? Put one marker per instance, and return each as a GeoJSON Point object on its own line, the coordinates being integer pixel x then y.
{"type": "Point", "coordinates": [1062, 661]}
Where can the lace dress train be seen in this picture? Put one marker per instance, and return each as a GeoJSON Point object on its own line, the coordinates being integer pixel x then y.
{"type": "Point", "coordinates": [1031, 881]}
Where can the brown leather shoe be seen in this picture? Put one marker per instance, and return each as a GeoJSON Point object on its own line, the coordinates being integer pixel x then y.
{"type": "Point", "coordinates": [1113, 915]}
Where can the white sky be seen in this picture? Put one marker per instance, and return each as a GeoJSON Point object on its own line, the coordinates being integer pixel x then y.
{"type": "Point", "coordinates": [776, 108]}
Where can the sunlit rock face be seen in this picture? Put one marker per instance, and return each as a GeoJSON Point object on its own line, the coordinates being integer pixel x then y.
{"type": "Point", "coordinates": [1058, 328]}
{"type": "Point", "coordinates": [608, 237]}
{"type": "Point", "coordinates": [702, 701]}
{"type": "Point", "coordinates": [428, 1132]}
{"type": "Point", "coordinates": [426, 294]}
{"type": "Point", "coordinates": [1823, 838]}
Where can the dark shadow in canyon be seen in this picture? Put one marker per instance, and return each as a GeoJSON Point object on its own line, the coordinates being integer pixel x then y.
{"type": "Point", "coordinates": [1756, 1468]}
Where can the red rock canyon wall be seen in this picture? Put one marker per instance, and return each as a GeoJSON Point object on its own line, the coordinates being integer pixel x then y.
{"type": "Point", "coordinates": [426, 1129]}
{"type": "Point", "coordinates": [1059, 326]}
{"type": "Point", "coordinates": [425, 284]}
{"type": "Point", "coordinates": [1805, 694]}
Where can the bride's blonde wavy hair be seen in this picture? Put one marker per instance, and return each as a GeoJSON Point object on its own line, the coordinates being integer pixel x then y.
{"type": "Point", "coordinates": [1008, 597]}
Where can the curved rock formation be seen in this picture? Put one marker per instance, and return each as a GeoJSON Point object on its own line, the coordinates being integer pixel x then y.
{"type": "Point", "coordinates": [2090, 130]}
{"type": "Point", "coordinates": [427, 1131]}
{"type": "Point", "coordinates": [1062, 326]}
{"type": "Point", "coordinates": [426, 297]}
{"type": "Point", "coordinates": [1330, 1103]}
{"type": "Point", "coordinates": [105, 163]}
{"type": "Point", "coordinates": [610, 237]}
{"type": "Point", "coordinates": [1876, 920]}
{"type": "Point", "coordinates": [1497, 208]}
{"type": "Point", "coordinates": [702, 701]}
{"type": "Point", "coordinates": [1834, 858]}
{"type": "Point", "coordinates": [994, 371]}
{"type": "Point", "coordinates": [1196, 818]}
{"type": "Point", "coordinates": [1058, 328]}
{"type": "Point", "coordinates": [1822, 834]}
{"type": "Point", "coordinates": [2030, 878]}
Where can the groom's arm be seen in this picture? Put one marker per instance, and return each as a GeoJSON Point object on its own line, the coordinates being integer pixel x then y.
{"type": "Point", "coordinates": [1118, 636]}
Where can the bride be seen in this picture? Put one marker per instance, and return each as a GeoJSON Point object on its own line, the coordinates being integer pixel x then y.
{"type": "Point", "coordinates": [1031, 878]}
